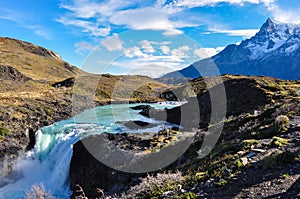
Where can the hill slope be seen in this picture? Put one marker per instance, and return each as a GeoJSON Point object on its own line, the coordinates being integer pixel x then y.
{"type": "Point", "coordinates": [34, 61]}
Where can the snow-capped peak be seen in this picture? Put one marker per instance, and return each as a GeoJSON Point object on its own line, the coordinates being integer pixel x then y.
{"type": "Point", "coordinates": [272, 36]}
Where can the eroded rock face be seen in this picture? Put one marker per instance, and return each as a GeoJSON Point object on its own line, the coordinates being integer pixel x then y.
{"type": "Point", "coordinates": [114, 162]}
{"type": "Point", "coordinates": [242, 96]}
{"type": "Point", "coordinates": [10, 73]}
{"type": "Point", "coordinates": [66, 83]}
{"type": "Point", "coordinates": [90, 173]}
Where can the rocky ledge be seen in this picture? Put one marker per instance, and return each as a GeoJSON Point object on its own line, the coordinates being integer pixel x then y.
{"type": "Point", "coordinates": [121, 159]}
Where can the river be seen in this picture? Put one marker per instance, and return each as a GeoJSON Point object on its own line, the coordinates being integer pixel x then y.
{"type": "Point", "coordinates": [49, 161]}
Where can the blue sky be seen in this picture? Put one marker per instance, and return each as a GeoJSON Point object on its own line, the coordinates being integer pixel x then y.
{"type": "Point", "coordinates": [136, 36]}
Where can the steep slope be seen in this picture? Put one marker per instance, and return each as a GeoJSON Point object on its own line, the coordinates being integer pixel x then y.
{"type": "Point", "coordinates": [273, 51]}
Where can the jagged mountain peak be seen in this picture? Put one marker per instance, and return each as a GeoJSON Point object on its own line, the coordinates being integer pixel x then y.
{"type": "Point", "coordinates": [273, 51]}
{"type": "Point", "coordinates": [272, 36]}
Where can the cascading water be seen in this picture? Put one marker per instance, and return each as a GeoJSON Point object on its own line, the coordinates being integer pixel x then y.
{"type": "Point", "coordinates": [49, 161]}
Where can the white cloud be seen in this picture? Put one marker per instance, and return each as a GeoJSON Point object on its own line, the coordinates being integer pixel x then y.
{"type": "Point", "coordinates": [152, 70]}
{"type": "Point", "coordinates": [82, 47]}
{"type": "Point", "coordinates": [152, 66]}
{"type": "Point", "coordinates": [145, 16]}
{"type": "Point", "coordinates": [95, 17]}
{"type": "Point", "coordinates": [197, 3]}
{"type": "Point", "coordinates": [180, 52]}
{"type": "Point", "coordinates": [207, 52]}
{"type": "Point", "coordinates": [113, 43]}
{"type": "Point", "coordinates": [288, 15]}
{"type": "Point", "coordinates": [173, 32]}
{"type": "Point", "coordinates": [147, 47]}
{"type": "Point", "coordinates": [93, 29]}
{"type": "Point", "coordinates": [165, 49]}
{"type": "Point", "coordinates": [246, 33]}
{"type": "Point", "coordinates": [134, 52]}
{"type": "Point", "coordinates": [139, 19]}
{"type": "Point", "coordinates": [163, 15]}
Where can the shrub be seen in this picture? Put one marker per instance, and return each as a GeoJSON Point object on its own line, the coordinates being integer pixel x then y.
{"type": "Point", "coordinates": [282, 121]}
{"type": "Point", "coordinates": [3, 130]}
{"type": "Point", "coordinates": [278, 141]}
{"type": "Point", "coordinates": [221, 182]}
{"type": "Point", "coordinates": [153, 186]}
{"type": "Point", "coordinates": [38, 191]}
{"type": "Point", "coordinates": [188, 195]}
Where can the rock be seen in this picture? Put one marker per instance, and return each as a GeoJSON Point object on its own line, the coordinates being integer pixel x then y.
{"type": "Point", "coordinates": [259, 150]}
{"type": "Point", "coordinates": [137, 124]}
{"type": "Point", "coordinates": [66, 83]}
{"type": "Point", "coordinates": [244, 161]}
{"type": "Point", "coordinates": [251, 154]}
{"type": "Point", "coordinates": [91, 174]}
{"type": "Point", "coordinates": [10, 73]}
{"type": "Point", "coordinates": [78, 193]}
{"type": "Point", "coordinates": [132, 152]}
{"type": "Point", "coordinates": [141, 107]}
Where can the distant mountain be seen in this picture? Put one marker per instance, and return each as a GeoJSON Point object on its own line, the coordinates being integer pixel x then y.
{"type": "Point", "coordinates": [273, 51]}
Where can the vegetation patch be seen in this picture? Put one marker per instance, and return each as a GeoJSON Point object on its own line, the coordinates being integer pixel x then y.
{"type": "Point", "coordinates": [3, 130]}
{"type": "Point", "coordinates": [279, 142]}
{"type": "Point", "coordinates": [277, 159]}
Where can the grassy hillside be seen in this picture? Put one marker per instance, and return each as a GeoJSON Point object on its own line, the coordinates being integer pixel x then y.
{"type": "Point", "coordinates": [34, 61]}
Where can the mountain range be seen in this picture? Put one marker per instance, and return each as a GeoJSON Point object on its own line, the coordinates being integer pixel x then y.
{"type": "Point", "coordinates": [273, 51]}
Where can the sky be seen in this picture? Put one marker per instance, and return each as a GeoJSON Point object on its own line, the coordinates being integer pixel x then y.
{"type": "Point", "coordinates": [137, 36]}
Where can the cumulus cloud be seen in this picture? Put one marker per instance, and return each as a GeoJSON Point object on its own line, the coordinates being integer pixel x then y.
{"type": "Point", "coordinates": [147, 47]}
{"type": "Point", "coordinates": [113, 43]}
{"type": "Point", "coordinates": [134, 52]}
{"type": "Point", "coordinates": [165, 49]}
{"type": "Point", "coordinates": [207, 52]}
{"type": "Point", "coordinates": [180, 52]}
{"type": "Point", "coordinates": [153, 64]}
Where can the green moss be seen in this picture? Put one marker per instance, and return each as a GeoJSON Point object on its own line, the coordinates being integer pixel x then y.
{"type": "Point", "coordinates": [246, 144]}
{"type": "Point", "coordinates": [279, 142]}
{"type": "Point", "coordinates": [277, 159]}
{"type": "Point", "coordinates": [239, 163]}
{"type": "Point", "coordinates": [224, 148]}
{"type": "Point", "coordinates": [22, 110]}
{"type": "Point", "coordinates": [188, 195]}
{"type": "Point", "coordinates": [221, 182]}
{"type": "Point", "coordinates": [286, 175]}
{"type": "Point", "coordinates": [201, 175]}
{"type": "Point", "coordinates": [3, 130]}
{"type": "Point", "coordinates": [49, 112]}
